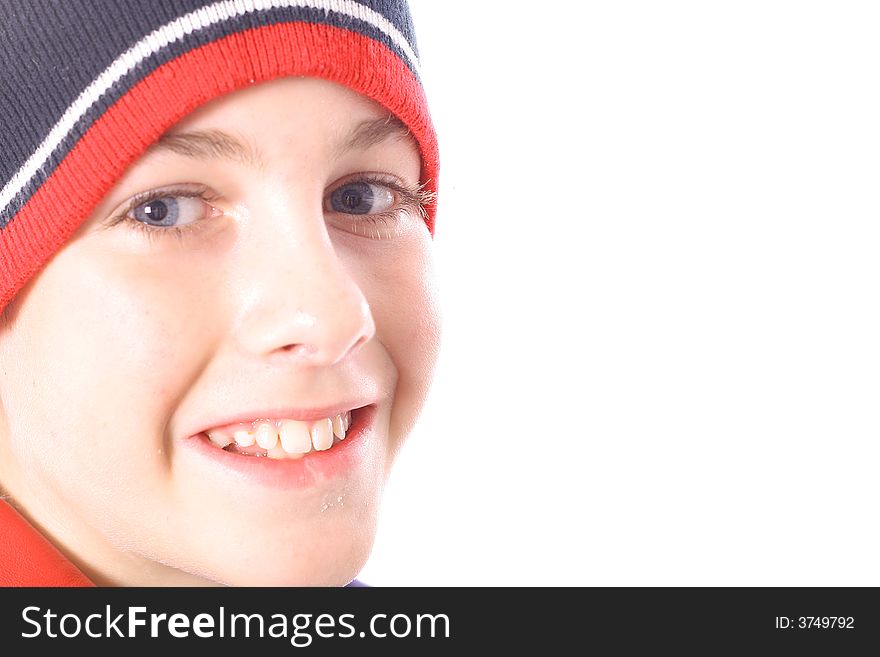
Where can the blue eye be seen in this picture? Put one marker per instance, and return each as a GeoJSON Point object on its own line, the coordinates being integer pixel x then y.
{"type": "Point", "coordinates": [170, 210]}
{"type": "Point", "coordinates": [361, 198]}
{"type": "Point", "coordinates": [158, 212]}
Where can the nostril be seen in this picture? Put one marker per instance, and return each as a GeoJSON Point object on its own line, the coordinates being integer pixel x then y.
{"type": "Point", "coordinates": [360, 343]}
{"type": "Point", "coordinates": [301, 350]}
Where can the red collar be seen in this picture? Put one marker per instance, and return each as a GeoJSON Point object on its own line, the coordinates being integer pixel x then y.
{"type": "Point", "coordinates": [28, 559]}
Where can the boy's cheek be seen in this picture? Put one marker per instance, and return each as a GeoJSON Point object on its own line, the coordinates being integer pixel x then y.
{"type": "Point", "coordinates": [408, 325]}
{"type": "Point", "coordinates": [110, 355]}
{"type": "Point", "coordinates": [102, 363]}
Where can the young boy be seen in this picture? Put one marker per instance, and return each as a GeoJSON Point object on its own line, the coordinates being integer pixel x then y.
{"type": "Point", "coordinates": [219, 323]}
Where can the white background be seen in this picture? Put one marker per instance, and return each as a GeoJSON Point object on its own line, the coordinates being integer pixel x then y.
{"type": "Point", "coordinates": [657, 251]}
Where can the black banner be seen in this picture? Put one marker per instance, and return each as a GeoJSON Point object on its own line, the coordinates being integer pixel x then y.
{"type": "Point", "coordinates": [836, 621]}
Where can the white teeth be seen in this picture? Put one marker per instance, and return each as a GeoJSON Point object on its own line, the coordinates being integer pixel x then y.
{"type": "Point", "coordinates": [295, 437]}
{"type": "Point", "coordinates": [219, 438]}
{"type": "Point", "coordinates": [322, 434]}
{"type": "Point", "coordinates": [244, 438]}
{"type": "Point", "coordinates": [338, 428]}
{"type": "Point", "coordinates": [267, 437]}
{"type": "Point", "coordinates": [285, 438]}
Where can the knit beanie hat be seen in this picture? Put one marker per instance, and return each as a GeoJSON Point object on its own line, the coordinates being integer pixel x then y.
{"type": "Point", "coordinates": [82, 84]}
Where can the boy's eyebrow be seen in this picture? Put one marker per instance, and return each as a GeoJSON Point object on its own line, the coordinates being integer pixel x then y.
{"type": "Point", "coordinates": [371, 132]}
{"type": "Point", "coordinates": [216, 144]}
{"type": "Point", "coordinates": [209, 144]}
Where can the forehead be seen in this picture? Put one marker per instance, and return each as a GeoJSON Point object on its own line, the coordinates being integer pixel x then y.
{"type": "Point", "coordinates": [284, 113]}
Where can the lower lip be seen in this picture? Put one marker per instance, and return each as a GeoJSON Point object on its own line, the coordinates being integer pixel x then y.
{"type": "Point", "coordinates": [306, 472]}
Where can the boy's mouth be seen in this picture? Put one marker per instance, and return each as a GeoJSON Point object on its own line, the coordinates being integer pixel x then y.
{"type": "Point", "coordinates": [281, 438]}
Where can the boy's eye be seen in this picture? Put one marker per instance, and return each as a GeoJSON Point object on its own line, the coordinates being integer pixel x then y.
{"type": "Point", "coordinates": [168, 211]}
{"type": "Point", "coordinates": [359, 197]}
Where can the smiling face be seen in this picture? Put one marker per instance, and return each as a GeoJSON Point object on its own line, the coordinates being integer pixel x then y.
{"type": "Point", "coordinates": [259, 273]}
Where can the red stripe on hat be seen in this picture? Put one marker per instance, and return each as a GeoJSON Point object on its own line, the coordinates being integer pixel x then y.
{"type": "Point", "coordinates": [121, 135]}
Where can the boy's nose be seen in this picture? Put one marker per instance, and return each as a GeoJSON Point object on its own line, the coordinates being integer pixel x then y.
{"type": "Point", "coordinates": [302, 301]}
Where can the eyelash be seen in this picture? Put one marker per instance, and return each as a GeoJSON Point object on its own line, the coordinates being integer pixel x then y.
{"type": "Point", "coordinates": [409, 199]}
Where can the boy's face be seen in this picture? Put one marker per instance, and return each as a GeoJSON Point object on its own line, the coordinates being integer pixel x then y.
{"type": "Point", "coordinates": [298, 285]}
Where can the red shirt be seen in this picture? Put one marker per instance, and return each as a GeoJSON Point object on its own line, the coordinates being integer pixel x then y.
{"type": "Point", "coordinates": [27, 558]}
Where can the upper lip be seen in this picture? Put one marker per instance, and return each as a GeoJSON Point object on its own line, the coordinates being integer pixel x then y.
{"type": "Point", "coordinates": [290, 413]}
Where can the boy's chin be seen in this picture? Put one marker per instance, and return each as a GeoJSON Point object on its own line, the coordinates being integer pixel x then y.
{"type": "Point", "coordinates": [331, 564]}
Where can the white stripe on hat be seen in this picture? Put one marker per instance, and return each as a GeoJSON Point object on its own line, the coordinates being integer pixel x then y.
{"type": "Point", "coordinates": [169, 33]}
